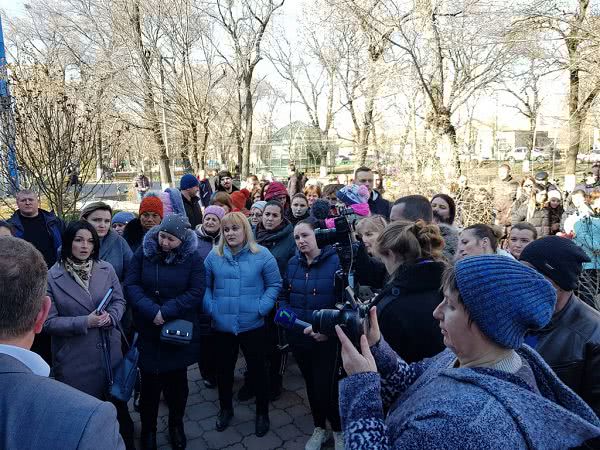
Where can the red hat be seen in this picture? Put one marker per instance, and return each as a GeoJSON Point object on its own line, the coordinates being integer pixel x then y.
{"type": "Point", "coordinates": [151, 203]}
{"type": "Point", "coordinates": [246, 193]}
{"type": "Point", "coordinates": [238, 199]}
{"type": "Point", "coordinates": [275, 189]}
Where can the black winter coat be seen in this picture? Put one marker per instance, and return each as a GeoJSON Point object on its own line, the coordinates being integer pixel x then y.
{"type": "Point", "coordinates": [192, 210]}
{"type": "Point", "coordinates": [308, 288]}
{"type": "Point", "coordinates": [134, 234]}
{"type": "Point", "coordinates": [175, 286]}
{"type": "Point", "coordinates": [280, 243]}
{"type": "Point", "coordinates": [570, 344]}
{"type": "Point", "coordinates": [380, 206]}
{"type": "Point", "coordinates": [405, 311]}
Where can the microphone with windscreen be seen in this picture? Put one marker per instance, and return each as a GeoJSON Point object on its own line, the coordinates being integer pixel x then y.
{"type": "Point", "coordinates": [286, 318]}
{"type": "Point", "coordinates": [320, 209]}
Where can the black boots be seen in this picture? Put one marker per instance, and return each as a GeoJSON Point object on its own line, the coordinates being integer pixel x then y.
{"type": "Point", "coordinates": [148, 440]}
{"type": "Point", "coordinates": [262, 424]}
{"type": "Point", "coordinates": [246, 392]}
{"type": "Point", "coordinates": [177, 435]}
{"type": "Point", "coordinates": [224, 419]}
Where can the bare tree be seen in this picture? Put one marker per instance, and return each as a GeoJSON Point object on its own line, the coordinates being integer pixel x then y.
{"type": "Point", "coordinates": [524, 86]}
{"type": "Point", "coordinates": [464, 52]}
{"type": "Point", "coordinates": [578, 29]}
{"type": "Point", "coordinates": [57, 128]}
{"type": "Point", "coordinates": [311, 73]}
{"type": "Point", "coordinates": [244, 23]}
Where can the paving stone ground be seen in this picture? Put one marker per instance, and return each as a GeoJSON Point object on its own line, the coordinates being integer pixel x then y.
{"type": "Point", "coordinates": [291, 422]}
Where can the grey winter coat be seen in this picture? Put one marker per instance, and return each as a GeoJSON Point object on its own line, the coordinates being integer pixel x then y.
{"type": "Point", "coordinates": [115, 250]}
{"type": "Point", "coordinates": [77, 352]}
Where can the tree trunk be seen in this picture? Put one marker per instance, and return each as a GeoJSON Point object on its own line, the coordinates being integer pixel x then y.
{"type": "Point", "coordinates": [245, 168]}
{"type": "Point", "coordinates": [455, 170]}
{"type": "Point", "coordinates": [193, 148]}
{"type": "Point", "coordinates": [575, 123]}
{"type": "Point", "coordinates": [203, 147]}
{"type": "Point", "coordinates": [149, 105]}
{"type": "Point", "coordinates": [187, 150]}
{"type": "Point", "coordinates": [99, 152]}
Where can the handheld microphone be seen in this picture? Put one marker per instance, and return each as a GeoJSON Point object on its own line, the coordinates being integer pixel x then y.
{"type": "Point", "coordinates": [287, 319]}
{"type": "Point", "coordinates": [320, 209]}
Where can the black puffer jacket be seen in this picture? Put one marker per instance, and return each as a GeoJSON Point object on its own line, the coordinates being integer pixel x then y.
{"type": "Point", "coordinates": [570, 344]}
{"type": "Point", "coordinates": [405, 310]}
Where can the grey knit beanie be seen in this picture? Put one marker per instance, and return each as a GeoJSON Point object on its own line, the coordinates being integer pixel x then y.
{"type": "Point", "coordinates": [175, 224]}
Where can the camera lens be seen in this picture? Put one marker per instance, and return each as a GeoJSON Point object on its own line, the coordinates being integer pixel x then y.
{"type": "Point", "coordinates": [325, 320]}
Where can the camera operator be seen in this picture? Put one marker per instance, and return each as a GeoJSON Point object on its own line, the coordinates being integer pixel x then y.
{"type": "Point", "coordinates": [412, 254]}
{"type": "Point", "coordinates": [487, 390]}
{"type": "Point", "coordinates": [308, 287]}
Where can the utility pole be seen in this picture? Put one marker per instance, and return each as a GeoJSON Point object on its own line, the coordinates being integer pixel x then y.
{"type": "Point", "coordinates": [8, 155]}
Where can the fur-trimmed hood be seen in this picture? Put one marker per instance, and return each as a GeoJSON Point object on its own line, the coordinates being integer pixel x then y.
{"type": "Point", "coordinates": [450, 234]}
{"type": "Point", "coordinates": [153, 252]}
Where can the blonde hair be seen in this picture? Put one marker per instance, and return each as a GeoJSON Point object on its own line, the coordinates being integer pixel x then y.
{"type": "Point", "coordinates": [239, 219]}
{"type": "Point", "coordinates": [376, 223]}
{"type": "Point", "coordinates": [411, 240]}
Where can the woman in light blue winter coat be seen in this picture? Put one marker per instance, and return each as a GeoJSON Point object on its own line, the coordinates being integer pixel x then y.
{"type": "Point", "coordinates": [242, 284]}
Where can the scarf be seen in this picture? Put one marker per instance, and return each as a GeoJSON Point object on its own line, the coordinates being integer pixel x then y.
{"type": "Point", "coordinates": [262, 233]}
{"type": "Point", "coordinates": [81, 272]}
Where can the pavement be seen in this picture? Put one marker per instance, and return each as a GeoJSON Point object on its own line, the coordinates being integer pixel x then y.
{"type": "Point", "coordinates": [291, 421]}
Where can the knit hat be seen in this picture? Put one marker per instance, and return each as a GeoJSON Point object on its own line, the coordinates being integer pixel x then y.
{"type": "Point", "coordinates": [238, 199]}
{"type": "Point", "coordinates": [94, 206]}
{"type": "Point", "coordinates": [215, 211]}
{"type": "Point", "coordinates": [151, 203]}
{"type": "Point", "coordinates": [504, 297]}
{"type": "Point", "coordinates": [275, 189]}
{"type": "Point", "coordinates": [259, 204]}
{"type": "Point", "coordinates": [188, 181]}
{"type": "Point", "coordinates": [123, 217]}
{"type": "Point", "coordinates": [246, 193]}
{"type": "Point", "coordinates": [175, 224]}
{"type": "Point", "coordinates": [558, 258]}
{"type": "Point", "coordinates": [554, 193]}
{"type": "Point", "coordinates": [353, 194]}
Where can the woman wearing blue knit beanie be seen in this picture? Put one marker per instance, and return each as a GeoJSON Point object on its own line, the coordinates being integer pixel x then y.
{"type": "Point", "coordinates": [486, 390]}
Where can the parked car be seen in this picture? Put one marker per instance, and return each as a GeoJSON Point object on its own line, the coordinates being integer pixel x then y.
{"type": "Point", "coordinates": [593, 156]}
{"type": "Point", "coordinates": [520, 153]}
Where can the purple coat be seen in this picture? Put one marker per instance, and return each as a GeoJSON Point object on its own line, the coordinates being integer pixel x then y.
{"type": "Point", "coordinates": [77, 353]}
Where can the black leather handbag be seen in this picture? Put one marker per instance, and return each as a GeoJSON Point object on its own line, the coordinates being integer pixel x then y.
{"type": "Point", "coordinates": [177, 332]}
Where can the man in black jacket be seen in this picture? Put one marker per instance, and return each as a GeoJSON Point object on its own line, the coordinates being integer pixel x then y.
{"type": "Point", "coordinates": [570, 343]}
{"type": "Point", "coordinates": [377, 204]}
{"type": "Point", "coordinates": [189, 187]}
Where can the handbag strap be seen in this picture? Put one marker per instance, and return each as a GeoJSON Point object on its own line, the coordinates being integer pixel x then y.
{"type": "Point", "coordinates": [124, 336]}
{"type": "Point", "coordinates": [106, 354]}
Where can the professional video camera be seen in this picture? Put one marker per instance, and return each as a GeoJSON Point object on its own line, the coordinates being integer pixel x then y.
{"type": "Point", "coordinates": [352, 315]}
{"type": "Point", "coordinates": [340, 234]}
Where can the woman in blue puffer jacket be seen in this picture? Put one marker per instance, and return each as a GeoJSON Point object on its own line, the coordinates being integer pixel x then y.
{"type": "Point", "coordinates": [309, 286]}
{"type": "Point", "coordinates": [242, 284]}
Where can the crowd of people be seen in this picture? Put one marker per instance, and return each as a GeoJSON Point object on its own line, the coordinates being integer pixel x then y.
{"type": "Point", "coordinates": [480, 335]}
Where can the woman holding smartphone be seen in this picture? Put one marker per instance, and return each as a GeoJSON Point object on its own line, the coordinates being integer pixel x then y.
{"type": "Point", "coordinates": [84, 339]}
